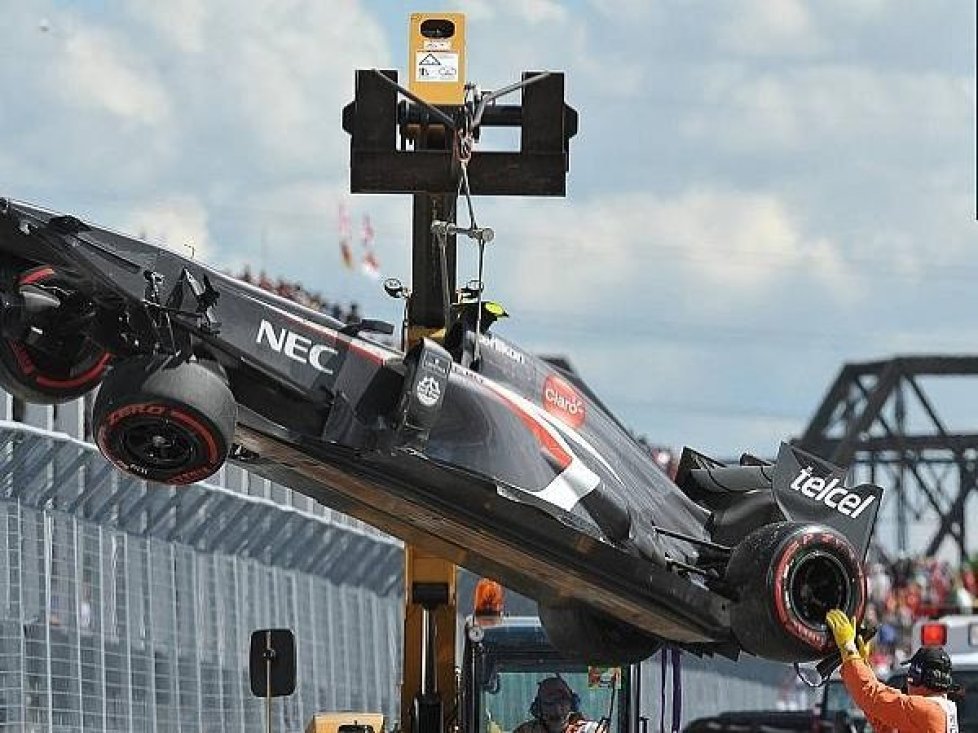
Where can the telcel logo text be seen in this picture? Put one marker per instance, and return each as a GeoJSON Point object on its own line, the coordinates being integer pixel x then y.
{"type": "Point", "coordinates": [830, 493]}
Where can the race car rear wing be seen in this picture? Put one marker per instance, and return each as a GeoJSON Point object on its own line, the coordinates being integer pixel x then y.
{"type": "Point", "coordinates": [800, 486]}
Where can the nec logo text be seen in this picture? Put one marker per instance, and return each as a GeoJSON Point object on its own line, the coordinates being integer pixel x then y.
{"type": "Point", "coordinates": [295, 346]}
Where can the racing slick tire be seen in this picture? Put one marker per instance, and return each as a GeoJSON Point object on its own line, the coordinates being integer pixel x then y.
{"type": "Point", "coordinates": [54, 366]}
{"type": "Point", "coordinates": [787, 576]}
{"type": "Point", "coordinates": [593, 637]}
{"type": "Point", "coordinates": [165, 420]}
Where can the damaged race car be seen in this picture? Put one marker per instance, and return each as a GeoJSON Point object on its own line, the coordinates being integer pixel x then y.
{"type": "Point", "coordinates": [509, 466]}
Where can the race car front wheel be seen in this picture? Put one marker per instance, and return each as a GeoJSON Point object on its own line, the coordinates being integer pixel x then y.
{"type": "Point", "coordinates": [165, 420]}
{"type": "Point", "coordinates": [54, 361]}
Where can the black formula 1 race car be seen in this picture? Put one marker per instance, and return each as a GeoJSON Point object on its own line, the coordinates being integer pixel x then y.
{"type": "Point", "coordinates": [510, 466]}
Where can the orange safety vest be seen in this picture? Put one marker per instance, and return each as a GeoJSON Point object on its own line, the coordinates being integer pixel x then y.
{"type": "Point", "coordinates": [892, 711]}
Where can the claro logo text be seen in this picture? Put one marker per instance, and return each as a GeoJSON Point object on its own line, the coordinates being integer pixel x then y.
{"type": "Point", "coordinates": [562, 401]}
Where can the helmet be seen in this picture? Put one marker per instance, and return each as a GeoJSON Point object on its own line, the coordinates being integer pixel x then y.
{"type": "Point", "coordinates": [550, 689]}
{"type": "Point", "coordinates": [930, 667]}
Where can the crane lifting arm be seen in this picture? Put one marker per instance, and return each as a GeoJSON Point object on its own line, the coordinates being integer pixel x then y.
{"type": "Point", "coordinates": [437, 123]}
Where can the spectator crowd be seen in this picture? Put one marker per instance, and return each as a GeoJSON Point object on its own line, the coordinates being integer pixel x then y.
{"type": "Point", "coordinates": [302, 296]}
{"type": "Point", "coordinates": [909, 589]}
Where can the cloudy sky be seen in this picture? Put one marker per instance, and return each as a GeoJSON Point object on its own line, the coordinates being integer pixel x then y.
{"type": "Point", "coordinates": [761, 190]}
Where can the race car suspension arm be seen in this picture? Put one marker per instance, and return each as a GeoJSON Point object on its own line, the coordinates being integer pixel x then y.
{"type": "Point", "coordinates": [695, 540]}
{"type": "Point", "coordinates": [159, 316]}
{"type": "Point", "coordinates": [723, 551]}
{"type": "Point", "coordinates": [206, 297]}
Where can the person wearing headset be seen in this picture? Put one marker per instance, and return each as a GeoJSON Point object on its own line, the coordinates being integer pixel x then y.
{"type": "Point", "coordinates": [923, 708]}
{"type": "Point", "coordinates": [557, 709]}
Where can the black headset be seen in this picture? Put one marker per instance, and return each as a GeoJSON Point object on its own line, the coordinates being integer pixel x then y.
{"type": "Point", "coordinates": [575, 699]}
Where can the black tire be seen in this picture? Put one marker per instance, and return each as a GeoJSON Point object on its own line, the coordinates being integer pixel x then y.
{"type": "Point", "coordinates": [164, 420]}
{"type": "Point", "coordinates": [593, 637]}
{"type": "Point", "coordinates": [787, 577]}
{"type": "Point", "coordinates": [58, 365]}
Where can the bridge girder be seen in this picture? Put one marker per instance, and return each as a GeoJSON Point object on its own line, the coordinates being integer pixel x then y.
{"type": "Point", "coordinates": [878, 418]}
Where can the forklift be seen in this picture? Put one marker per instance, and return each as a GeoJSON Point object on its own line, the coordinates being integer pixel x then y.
{"type": "Point", "coordinates": [505, 658]}
{"type": "Point", "coordinates": [420, 140]}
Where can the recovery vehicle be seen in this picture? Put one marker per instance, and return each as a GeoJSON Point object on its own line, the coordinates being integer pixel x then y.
{"type": "Point", "coordinates": [504, 661]}
{"type": "Point", "coordinates": [465, 445]}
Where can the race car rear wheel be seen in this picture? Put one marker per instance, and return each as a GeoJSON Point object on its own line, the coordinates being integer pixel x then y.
{"type": "Point", "coordinates": [787, 576]}
{"type": "Point", "coordinates": [165, 420]}
{"type": "Point", "coordinates": [55, 361]}
{"type": "Point", "coordinates": [592, 637]}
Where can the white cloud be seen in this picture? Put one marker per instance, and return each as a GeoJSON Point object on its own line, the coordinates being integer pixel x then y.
{"type": "Point", "coordinates": [628, 11]}
{"type": "Point", "coordinates": [97, 69]}
{"type": "Point", "coordinates": [737, 245]}
{"type": "Point", "coordinates": [203, 90]}
{"type": "Point", "coordinates": [179, 222]}
{"type": "Point", "coordinates": [281, 75]}
{"type": "Point", "coordinates": [769, 27]}
{"type": "Point", "coordinates": [290, 227]}
{"type": "Point", "coordinates": [861, 11]}
{"type": "Point", "coordinates": [803, 108]}
{"type": "Point", "coordinates": [610, 73]}
{"type": "Point", "coordinates": [477, 10]}
{"type": "Point", "coordinates": [540, 11]}
{"type": "Point", "coordinates": [534, 12]}
{"type": "Point", "coordinates": [181, 22]}
{"type": "Point", "coordinates": [514, 36]}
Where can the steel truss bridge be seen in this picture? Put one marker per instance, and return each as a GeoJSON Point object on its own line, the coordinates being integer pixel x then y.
{"type": "Point", "coordinates": [891, 422]}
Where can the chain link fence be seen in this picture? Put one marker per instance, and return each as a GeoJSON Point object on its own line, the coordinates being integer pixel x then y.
{"type": "Point", "coordinates": [129, 606]}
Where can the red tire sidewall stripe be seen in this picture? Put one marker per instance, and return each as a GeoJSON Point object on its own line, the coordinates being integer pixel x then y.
{"type": "Point", "coordinates": [103, 440]}
{"type": "Point", "coordinates": [781, 604]}
{"type": "Point", "coordinates": [818, 640]}
{"type": "Point", "coordinates": [27, 365]}
{"type": "Point", "coordinates": [114, 419]}
{"type": "Point", "coordinates": [23, 359]}
{"type": "Point", "coordinates": [92, 374]}
{"type": "Point", "coordinates": [34, 275]}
